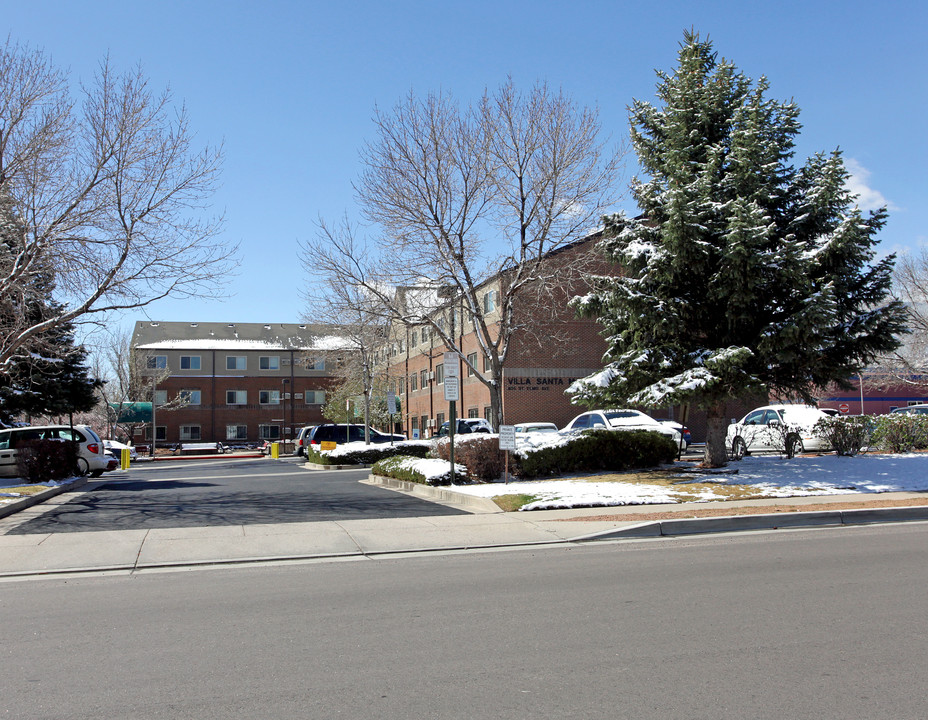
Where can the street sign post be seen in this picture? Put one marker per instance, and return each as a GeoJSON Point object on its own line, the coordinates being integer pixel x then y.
{"type": "Point", "coordinates": [507, 442]}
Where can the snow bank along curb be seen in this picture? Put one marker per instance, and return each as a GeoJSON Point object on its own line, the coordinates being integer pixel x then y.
{"type": "Point", "coordinates": [440, 494]}
{"type": "Point", "coordinates": [772, 521]}
{"type": "Point", "coordinates": [30, 500]}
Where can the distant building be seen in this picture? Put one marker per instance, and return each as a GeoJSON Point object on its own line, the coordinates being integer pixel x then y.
{"type": "Point", "coordinates": [237, 382]}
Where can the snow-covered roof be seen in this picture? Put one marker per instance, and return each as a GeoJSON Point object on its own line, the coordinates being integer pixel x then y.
{"type": "Point", "coordinates": [237, 336]}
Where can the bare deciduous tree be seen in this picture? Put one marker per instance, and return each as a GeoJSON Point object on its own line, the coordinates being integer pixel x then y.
{"type": "Point", "coordinates": [910, 363]}
{"type": "Point", "coordinates": [358, 330]}
{"type": "Point", "coordinates": [467, 201]}
{"type": "Point", "coordinates": [106, 192]}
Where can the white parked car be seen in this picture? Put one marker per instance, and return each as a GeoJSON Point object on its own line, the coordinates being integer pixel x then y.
{"type": "Point", "coordinates": [91, 457]}
{"type": "Point", "coordinates": [782, 428]}
{"type": "Point", "coordinates": [620, 420]}
{"type": "Point", "coordinates": [118, 447]}
{"type": "Point", "coordinates": [535, 427]}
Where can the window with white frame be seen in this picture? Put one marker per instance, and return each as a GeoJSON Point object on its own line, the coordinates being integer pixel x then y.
{"type": "Point", "coordinates": [269, 362]}
{"type": "Point", "coordinates": [471, 363]}
{"type": "Point", "coordinates": [413, 382]}
{"type": "Point", "coordinates": [161, 397]}
{"type": "Point", "coordinates": [189, 362]}
{"type": "Point", "coordinates": [156, 362]}
{"type": "Point", "coordinates": [315, 397]}
{"type": "Point", "coordinates": [236, 397]}
{"type": "Point", "coordinates": [424, 378]}
{"type": "Point", "coordinates": [236, 362]}
{"type": "Point", "coordinates": [319, 364]}
{"type": "Point", "coordinates": [189, 397]}
{"type": "Point", "coordinates": [489, 302]}
{"type": "Point", "coordinates": [269, 397]}
{"type": "Point", "coordinates": [269, 432]}
{"type": "Point", "coordinates": [236, 432]}
{"type": "Point", "coordinates": [439, 374]}
{"type": "Point", "coordinates": [189, 432]}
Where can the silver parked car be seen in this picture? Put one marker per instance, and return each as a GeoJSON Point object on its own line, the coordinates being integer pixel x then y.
{"type": "Point", "coordinates": [620, 420]}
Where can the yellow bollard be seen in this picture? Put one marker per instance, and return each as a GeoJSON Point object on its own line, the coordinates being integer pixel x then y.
{"type": "Point", "coordinates": [275, 450]}
{"type": "Point", "coordinates": [124, 459]}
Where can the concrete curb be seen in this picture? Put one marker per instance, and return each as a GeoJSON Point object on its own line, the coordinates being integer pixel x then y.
{"type": "Point", "coordinates": [317, 466]}
{"type": "Point", "coordinates": [14, 507]}
{"type": "Point", "coordinates": [436, 494]}
{"type": "Point", "coordinates": [773, 521]}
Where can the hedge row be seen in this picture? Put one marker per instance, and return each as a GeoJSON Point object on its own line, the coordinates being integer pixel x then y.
{"type": "Point", "coordinates": [43, 460]}
{"type": "Point", "coordinates": [398, 467]}
{"type": "Point", "coordinates": [598, 450]}
{"type": "Point", "coordinates": [367, 456]}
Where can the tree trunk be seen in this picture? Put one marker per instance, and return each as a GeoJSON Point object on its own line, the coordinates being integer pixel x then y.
{"type": "Point", "coordinates": [716, 454]}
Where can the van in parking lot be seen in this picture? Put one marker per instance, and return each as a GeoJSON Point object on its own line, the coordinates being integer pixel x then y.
{"type": "Point", "coordinates": [91, 456]}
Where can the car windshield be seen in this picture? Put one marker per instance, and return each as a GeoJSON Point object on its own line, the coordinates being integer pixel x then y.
{"type": "Point", "coordinates": [800, 415]}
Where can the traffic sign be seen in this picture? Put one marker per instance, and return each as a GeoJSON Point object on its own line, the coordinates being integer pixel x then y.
{"type": "Point", "coordinates": [507, 437]}
{"type": "Point", "coordinates": [844, 408]}
{"type": "Point", "coordinates": [452, 389]}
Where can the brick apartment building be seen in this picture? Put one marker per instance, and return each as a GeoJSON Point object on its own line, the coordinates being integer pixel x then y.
{"type": "Point", "coordinates": [240, 382]}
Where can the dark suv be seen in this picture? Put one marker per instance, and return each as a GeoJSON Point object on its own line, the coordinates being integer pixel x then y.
{"type": "Point", "coordinates": [348, 433]}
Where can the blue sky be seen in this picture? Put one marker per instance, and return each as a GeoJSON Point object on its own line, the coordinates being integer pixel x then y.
{"type": "Point", "coordinates": [289, 88]}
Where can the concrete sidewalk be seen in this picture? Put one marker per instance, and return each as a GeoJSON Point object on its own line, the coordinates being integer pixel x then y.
{"type": "Point", "coordinates": [485, 527]}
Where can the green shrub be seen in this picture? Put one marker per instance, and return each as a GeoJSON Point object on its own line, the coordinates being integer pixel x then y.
{"type": "Point", "coordinates": [900, 432]}
{"type": "Point", "coordinates": [480, 455]}
{"type": "Point", "coordinates": [368, 455]}
{"type": "Point", "coordinates": [597, 450]}
{"type": "Point", "coordinates": [43, 460]}
{"type": "Point", "coordinates": [846, 435]}
{"type": "Point", "coordinates": [399, 467]}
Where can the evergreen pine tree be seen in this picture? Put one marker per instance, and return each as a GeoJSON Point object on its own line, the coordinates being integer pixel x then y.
{"type": "Point", "coordinates": [742, 274]}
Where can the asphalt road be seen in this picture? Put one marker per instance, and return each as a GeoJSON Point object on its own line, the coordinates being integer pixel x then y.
{"type": "Point", "coordinates": [226, 492]}
{"type": "Point", "coordinates": [824, 624]}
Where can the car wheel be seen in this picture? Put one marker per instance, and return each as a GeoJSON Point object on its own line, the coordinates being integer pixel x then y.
{"type": "Point", "coordinates": [83, 467]}
{"type": "Point", "coordinates": [794, 446]}
{"type": "Point", "coordinates": [96, 473]}
{"type": "Point", "coordinates": [738, 448]}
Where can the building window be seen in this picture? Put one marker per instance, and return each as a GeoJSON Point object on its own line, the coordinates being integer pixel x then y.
{"type": "Point", "coordinates": [486, 363]}
{"type": "Point", "coordinates": [236, 362]}
{"type": "Point", "coordinates": [414, 427]}
{"type": "Point", "coordinates": [156, 362]}
{"type": "Point", "coordinates": [424, 378]}
{"type": "Point", "coordinates": [269, 362]}
{"type": "Point", "coordinates": [189, 432]}
{"type": "Point", "coordinates": [189, 362]}
{"type": "Point", "coordinates": [315, 397]}
{"type": "Point", "coordinates": [471, 364]}
{"type": "Point", "coordinates": [236, 432]}
{"type": "Point", "coordinates": [269, 397]}
{"type": "Point", "coordinates": [488, 414]}
{"type": "Point", "coordinates": [189, 397]}
{"type": "Point", "coordinates": [236, 397]}
{"type": "Point", "coordinates": [413, 382]}
{"type": "Point", "coordinates": [161, 433]}
{"type": "Point", "coordinates": [439, 420]}
{"type": "Point", "coordinates": [472, 413]}
{"type": "Point", "coordinates": [439, 374]}
{"type": "Point", "coordinates": [269, 432]}
{"type": "Point", "coordinates": [489, 302]}
{"type": "Point", "coordinates": [161, 397]}
{"type": "Point", "coordinates": [414, 340]}
{"type": "Point", "coordinates": [319, 364]}
{"type": "Point", "coordinates": [423, 423]}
